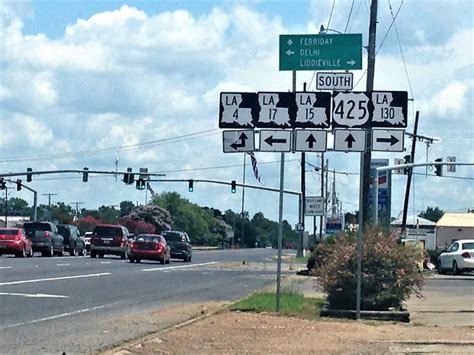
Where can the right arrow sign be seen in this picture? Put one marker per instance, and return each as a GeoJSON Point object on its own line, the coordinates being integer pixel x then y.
{"type": "Point", "coordinates": [388, 140]}
{"type": "Point", "coordinates": [349, 140]}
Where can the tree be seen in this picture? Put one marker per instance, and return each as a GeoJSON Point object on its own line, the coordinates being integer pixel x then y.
{"type": "Point", "coordinates": [432, 214]}
{"type": "Point", "coordinates": [62, 213]}
{"type": "Point", "coordinates": [153, 215]}
{"type": "Point", "coordinates": [87, 223]}
{"type": "Point", "coordinates": [16, 207]}
{"type": "Point", "coordinates": [390, 271]}
{"type": "Point", "coordinates": [126, 207]}
{"type": "Point", "coordinates": [108, 214]}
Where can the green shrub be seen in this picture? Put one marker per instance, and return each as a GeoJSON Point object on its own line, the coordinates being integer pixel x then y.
{"type": "Point", "coordinates": [390, 271]}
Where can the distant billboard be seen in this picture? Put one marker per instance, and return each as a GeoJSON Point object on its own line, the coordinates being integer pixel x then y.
{"type": "Point", "coordinates": [385, 191]}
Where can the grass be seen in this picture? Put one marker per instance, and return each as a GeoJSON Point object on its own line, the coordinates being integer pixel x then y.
{"type": "Point", "coordinates": [291, 304]}
{"type": "Point", "coordinates": [301, 259]}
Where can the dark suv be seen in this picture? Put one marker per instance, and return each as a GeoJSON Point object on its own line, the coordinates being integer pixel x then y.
{"type": "Point", "coordinates": [109, 239]}
{"type": "Point", "coordinates": [180, 245]}
{"type": "Point", "coordinates": [73, 243]}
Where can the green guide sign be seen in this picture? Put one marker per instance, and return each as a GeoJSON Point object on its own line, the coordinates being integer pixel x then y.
{"type": "Point", "coordinates": [321, 52]}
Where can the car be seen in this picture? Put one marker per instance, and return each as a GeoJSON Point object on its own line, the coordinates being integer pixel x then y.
{"type": "Point", "coordinates": [458, 257]}
{"type": "Point", "coordinates": [14, 241]}
{"type": "Point", "coordinates": [73, 243]}
{"type": "Point", "coordinates": [180, 245]}
{"type": "Point", "coordinates": [109, 239]}
{"type": "Point", "coordinates": [87, 240]}
{"type": "Point", "coordinates": [45, 238]}
{"type": "Point", "coordinates": [150, 247]}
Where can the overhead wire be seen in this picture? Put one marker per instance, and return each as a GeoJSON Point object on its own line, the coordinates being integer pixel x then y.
{"type": "Point", "coordinates": [330, 15]}
{"type": "Point", "coordinates": [349, 17]}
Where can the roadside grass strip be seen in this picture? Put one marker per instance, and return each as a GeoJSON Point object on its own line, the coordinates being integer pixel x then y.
{"type": "Point", "coordinates": [290, 304]}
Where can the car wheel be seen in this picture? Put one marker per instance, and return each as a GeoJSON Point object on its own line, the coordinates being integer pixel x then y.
{"type": "Point", "coordinates": [138, 260]}
{"type": "Point", "coordinates": [162, 261]}
{"type": "Point", "coordinates": [21, 254]}
{"type": "Point", "coordinates": [83, 251]}
{"type": "Point", "coordinates": [72, 252]}
{"type": "Point", "coordinates": [189, 259]}
{"type": "Point", "coordinates": [440, 269]}
{"type": "Point", "coordinates": [101, 255]}
{"type": "Point", "coordinates": [30, 253]}
{"type": "Point", "coordinates": [51, 251]}
{"type": "Point", "coordinates": [93, 254]}
{"type": "Point", "coordinates": [456, 270]}
{"type": "Point", "coordinates": [61, 252]}
{"type": "Point", "coordinates": [168, 261]}
{"type": "Point", "coordinates": [132, 260]}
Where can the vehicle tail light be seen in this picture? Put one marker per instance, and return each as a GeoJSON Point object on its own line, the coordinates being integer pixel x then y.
{"type": "Point", "coordinates": [159, 247]}
{"type": "Point", "coordinates": [17, 237]}
{"type": "Point", "coordinates": [122, 242]}
{"type": "Point", "coordinates": [466, 255]}
{"type": "Point", "coordinates": [132, 245]}
{"type": "Point", "coordinates": [46, 235]}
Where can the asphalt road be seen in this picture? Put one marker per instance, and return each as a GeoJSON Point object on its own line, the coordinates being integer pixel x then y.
{"type": "Point", "coordinates": [75, 304]}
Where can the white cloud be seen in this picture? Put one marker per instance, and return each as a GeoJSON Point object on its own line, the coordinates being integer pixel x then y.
{"type": "Point", "coordinates": [448, 102]}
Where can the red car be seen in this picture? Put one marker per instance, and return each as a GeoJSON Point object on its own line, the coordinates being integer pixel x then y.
{"type": "Point", "coordinates": [13, 241]}
{"type": "Point", "coordinates": [150, 247]}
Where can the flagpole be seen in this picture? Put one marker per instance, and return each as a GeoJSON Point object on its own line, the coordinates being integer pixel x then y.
{"type": "Point", "coordinates": [243, 202]}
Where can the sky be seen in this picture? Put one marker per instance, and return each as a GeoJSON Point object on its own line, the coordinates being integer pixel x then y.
{"type": "Point", "coordinates": [106, 84]}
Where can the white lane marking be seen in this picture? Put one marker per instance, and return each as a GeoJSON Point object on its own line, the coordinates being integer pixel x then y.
{"type": "Point", "coordinates": [54, 317]}
{"type": "Point", "coordinates": [177, 267]}
{"type": "Point", "coordinates": [32, 295]}
{"type": "Point", "coordinates": [106, 262]}
{"type": "Point", "coordinates": [5, 267]}
{"type": "Point", "coordinates": [53, 279]}
{"type": "Point", "coordinates": [63, 264]}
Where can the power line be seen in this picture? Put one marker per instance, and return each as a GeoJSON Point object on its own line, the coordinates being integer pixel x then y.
{"type": "Point", "coordinates": [330, 15]}
{"type": "Point", "coordinates": [401, 50]}
{"type": "Point", "coordinates": [183, 137]}
{"type": "Point", "coordinates": [389, 28]}
{"type": "Point", "coordinates": [349, 17]}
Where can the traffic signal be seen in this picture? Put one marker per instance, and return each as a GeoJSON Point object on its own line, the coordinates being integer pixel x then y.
{"type": "Point", "coordinates": [407, 160]}
{"type": "Point", "coordinates": [439, 168]}
{"type": "Point", "coordinates": [29, 176]}
{"type": "Point", "coordinates": [191, 185]}
{"type": "Point", "coordinates": [140, 184]}
{"type": "Point", "coordinates": [233, 186]}
{"type": "Point", "coordinates": [128, 177]}
{"type": "Point", "coordinates": [3, 184]}
{"type": "Point", "coordinates": [18, 185]}
{"type": "Point", "coordinates": [85, 175]}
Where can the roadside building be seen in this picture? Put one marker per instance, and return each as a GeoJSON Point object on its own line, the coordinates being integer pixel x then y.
{"type": "Point", "coordinates": [13, 221]}
{"type": "Point", "coordinates": [418, 229]}
{"type": "Point", "coordinates": [454, 226]}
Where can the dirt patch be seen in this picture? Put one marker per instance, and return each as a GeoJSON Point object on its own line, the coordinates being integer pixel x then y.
{"type": "Point", "coordinates": [238, 332]}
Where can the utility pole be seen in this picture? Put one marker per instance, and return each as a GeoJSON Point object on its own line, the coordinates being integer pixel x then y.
{"type": "Point", "coordinates": [6, 206]}
{"type": "Point", "coordinates": [321, 218]}
{"type": "Point", "coordinates": [49, 198]}
{"type": "Point", "coordinates": [299, 252]}
{"type": "Point", "coordinates": [242, 243]}
{"type": "Point", "coordinates": [333, 198]}
{"type": "Point", "coordinates": [77, 203]}
{"type": "Point", "coordinates": [365, 157]}
{"type": "Point", "coordinates": [410, 173]}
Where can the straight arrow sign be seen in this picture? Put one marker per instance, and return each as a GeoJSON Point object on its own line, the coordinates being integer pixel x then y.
{"type": "Point", "coordinates": [310, 140]}
{"type": "Point", "coordinates": [349, 140]}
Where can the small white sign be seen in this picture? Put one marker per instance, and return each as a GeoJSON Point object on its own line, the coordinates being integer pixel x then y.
{"type": "Point", "coordinates": [387, 140]}
{"type": "Point", "coordinates": [334, 81]}
{"type": "Point", "coordinates": [314, 206]}
{"type": "Point", "coordinates": [310, 140]}
{"type": "Point", "coordinates": [238, 141]}
{"type": "Point", "coordinates": [275, 140]}
{"type": "Point", "coordinates": [349, 140]}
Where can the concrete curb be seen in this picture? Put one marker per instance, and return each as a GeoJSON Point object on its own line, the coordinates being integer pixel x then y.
{"type": "Point", "coordinates": [399, 316]}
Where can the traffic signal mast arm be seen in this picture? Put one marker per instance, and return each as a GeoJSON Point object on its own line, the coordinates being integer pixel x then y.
{"type": "Point", "coordinates": [78, 171]}
{"type": "Point", "coordinates": [403, 166]}
{"type": "Point", "coordinates": [290, 192]}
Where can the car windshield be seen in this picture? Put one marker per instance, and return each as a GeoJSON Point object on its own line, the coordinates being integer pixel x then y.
{"type": "Point", "coordinates": [148, 238]}
{"type": "Point", "coordinates": [108, 231]}
{"type": "Point", "coordinates": [174, 237]}
{"type": "Point", "coordinates": [468, 246]}
{"type": "Point", "coordinates": [36, 227]}
{"type": "Point", "coordinates": [8, 231]}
